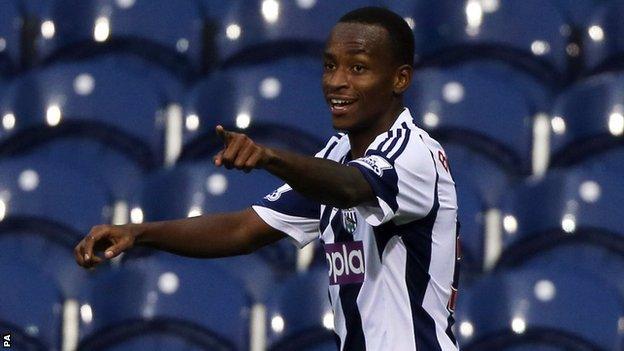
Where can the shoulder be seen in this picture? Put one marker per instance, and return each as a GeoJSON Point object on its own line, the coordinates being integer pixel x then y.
{"type": "Point", "coordinates": [335, 143]}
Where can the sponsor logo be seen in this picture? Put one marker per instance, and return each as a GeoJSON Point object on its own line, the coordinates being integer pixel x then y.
{"type": "Point", "coordinates": [346, 262]}
{"type": "Point", "coordinates": [349, 220]}
{"type": "Point", "coordinates": [375, 163]}
{"type": "Point", "coordinates": [275, 195]}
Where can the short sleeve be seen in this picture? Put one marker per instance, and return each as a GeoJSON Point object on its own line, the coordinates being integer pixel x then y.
{"type": "Point", "coordinates": [402, 173]}
{"type": "Point", "coordinates": [290, 212]}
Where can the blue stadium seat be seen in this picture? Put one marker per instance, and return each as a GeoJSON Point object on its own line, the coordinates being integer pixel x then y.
{"type": "Point", "coordinates": [575, 205]}
{"type": "Point", "coordinates": [166, 32]}
{"type": "Point", "coordinates": [601, 263]}
{"type": "Point", "coordinates": [38, 195]}
{"type": "Point", "coordinates": [552, 308]}
{"type": "Point", "coordinates": [197, 188]}
{"type": "Point", "coordinates": [106, 99]}
{"type": "Point", "coordinates": [30, 308]}
{"type": "Point", "coordinates": [602, 38]}
{"type": "Point", "coordinates": [485, 111]}
{"type": "Point", "coordinates": [184, 301]}
{"type": "Point", "coordinates": [49, 250]}
{"type": "Point", "coordinates": [300, 315]}
{"type": "Point", "coordinates": [282, 98]}
{"type": "Point", "coordinates": [11, 25]}
{"type": "Point", "coordinates": [259, 29]}
{"type": "Point", "coordinates": [523, 33]}
{"type": "Point", "coordinates": [587, 119]}
{"type": "Point", "coordinates": [471, 217]}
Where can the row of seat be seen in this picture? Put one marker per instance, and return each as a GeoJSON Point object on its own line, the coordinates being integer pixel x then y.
{"type": "Point", "coordinates": [170, 302]}
{"type": "Point", "coordinates": [145, 113]}
{"type": "Point", "coordinates": [547, 38]}
{"type": "Point", "coordinates": [63, 203]}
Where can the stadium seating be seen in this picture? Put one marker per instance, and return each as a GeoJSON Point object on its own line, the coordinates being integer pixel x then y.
{"type": "Point", "coordinates": [300, 315]}
{"type": "Point", "coordinates": [30, 308]}
{"type": "Point", "coordinates": [162, 297]}
{"type": "Point", "coordinates": [11, 23]}
{"type": "Point", "coordinates": [281, 98]}
{"type": "Point", "coordinates": [602, 37]}
{"type": "Point", "coordinates": [587, 119]}
{"type": "Point", "coordinates": [36, 195]}
{"type": "Point", "coordinates": [600, 262]}
{"type": "Point", "coordinates": [525, 34]}
{"type": "Point", "coordinates": [261, 29]}
{"type": "Point", "coordinates": [535, 307]}
{"type": "Point", "coordinates": [466, 104]}
{"type": "Point", "coordinates": [170, 33]}
{"type": "Point", "coordinates": [471, 218]}
{"type": "Point", "coordinates": [98, 99]}
{"type": "Point", "coordinates": [575, 205]}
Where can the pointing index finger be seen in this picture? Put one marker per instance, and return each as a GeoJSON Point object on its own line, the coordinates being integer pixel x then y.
{"type": "Point", "coordinates": [224, 134]}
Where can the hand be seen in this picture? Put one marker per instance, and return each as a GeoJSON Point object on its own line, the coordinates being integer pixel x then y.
{"type": "Point", "coordinates": [240, 152]}
{"type": "Point", "coordinates": [112, 239]}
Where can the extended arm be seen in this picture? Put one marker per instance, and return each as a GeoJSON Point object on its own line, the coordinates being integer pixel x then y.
{"type": "Point", "coordinates": [215, 235]}
{"type": "Point", "coordinates": [324, 181]}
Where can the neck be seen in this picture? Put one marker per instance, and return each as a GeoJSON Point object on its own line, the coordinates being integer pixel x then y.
{"type": "Point", "coordinates": [361, 139]}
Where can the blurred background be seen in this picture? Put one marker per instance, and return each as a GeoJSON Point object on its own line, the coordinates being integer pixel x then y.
{"type": "Point", "coordinates": [108, 110]}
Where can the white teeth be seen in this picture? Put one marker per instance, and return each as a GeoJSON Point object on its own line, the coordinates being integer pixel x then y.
{"type": "Point", "coordinates": [340, 102]}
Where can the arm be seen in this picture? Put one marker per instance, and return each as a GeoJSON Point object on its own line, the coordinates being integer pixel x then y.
{"type": "Point", "coordinates": [215, 235]}
{"type": "Point", "coordinates": [322, 180]}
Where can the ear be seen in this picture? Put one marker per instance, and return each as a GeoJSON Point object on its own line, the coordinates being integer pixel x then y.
{"type": "Point", "coordinates": [402, 79]}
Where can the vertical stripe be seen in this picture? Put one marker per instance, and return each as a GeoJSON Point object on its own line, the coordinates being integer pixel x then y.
{"type": "Point", "coordinates": [354, 340]}
{"type": "Point", "coordinates": [394, 155]}
{"type": "Point", "coordinates": [418, 244]}
{"type": "Point", "coordinates": [399, 134]}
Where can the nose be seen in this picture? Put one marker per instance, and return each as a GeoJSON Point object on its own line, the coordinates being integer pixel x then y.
{"type": "Point", "coordinates": [336, 80]}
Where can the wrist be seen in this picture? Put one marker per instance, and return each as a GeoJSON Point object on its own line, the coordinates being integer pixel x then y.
{"type": "Point", "coordinates": [138, 232]}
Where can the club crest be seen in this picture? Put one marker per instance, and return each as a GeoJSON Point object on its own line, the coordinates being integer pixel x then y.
{"type": "Point", "coordinates": [349, 220]}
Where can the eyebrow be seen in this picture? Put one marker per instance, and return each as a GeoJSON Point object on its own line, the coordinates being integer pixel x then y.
{"type": "Point", "coordinates": [354, 51]}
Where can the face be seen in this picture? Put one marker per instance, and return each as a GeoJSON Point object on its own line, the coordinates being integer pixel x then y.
{"type": "Point", "coordinates": [361, 79]}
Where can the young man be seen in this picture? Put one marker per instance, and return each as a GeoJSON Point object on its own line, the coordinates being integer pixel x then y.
{"type": "Point", "coordinates": [379, 197]}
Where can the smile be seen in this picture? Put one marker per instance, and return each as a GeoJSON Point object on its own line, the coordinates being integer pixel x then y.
{"type": "Point", "coordinates": [340, 105]}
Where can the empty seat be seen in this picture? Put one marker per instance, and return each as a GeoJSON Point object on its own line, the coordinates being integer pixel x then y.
{"type": "Point", "coordinates": [526, 34]}
{"type": "Point", "coordinates": [38, 195]}
{"type": "Point", "coordinates": [30, 308]}
{"type": "Point", "coordinates": [161, 296]}
{"type": "Point", "coordinates": [100, 99]}
{"type": "Point", "coordinates": [584, 258]}
{"type": "Point", "coordinates": [281, 98]}
{"type": "Point", "coordinates": [534, 307]}
{"type": "Point", "coordinates": [587, 119]}
{"type": "Point", "coordinates": [165, 32]}
{"type": "Point", "coordinates": [259, 29]}
{"type": "Point", "coordinates": [565, 206]}
{"type": "Point", "coordinates": [602, 37]}
{"type": "Point", "coordinates": [484, 111]}
{"type": "Point", "coordinates": [300, 315]}
{"type": "Point", "coordinates": [48, 249]}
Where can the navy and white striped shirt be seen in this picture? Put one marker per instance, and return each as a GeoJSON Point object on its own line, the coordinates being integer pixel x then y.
{"type": "Point", "coordinates": [392, 264]}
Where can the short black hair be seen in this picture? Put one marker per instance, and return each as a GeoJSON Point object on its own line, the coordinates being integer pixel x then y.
{"type": "Point", "coordinates": [401, 36]}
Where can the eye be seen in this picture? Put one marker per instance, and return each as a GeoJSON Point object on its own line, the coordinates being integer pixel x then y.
{"type": "Point", "coordinates": [328, 66]}
{"type": "Point", "coordinates": [358, 68]}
